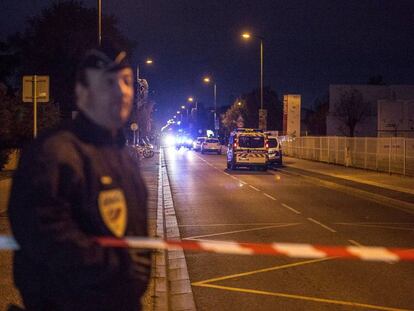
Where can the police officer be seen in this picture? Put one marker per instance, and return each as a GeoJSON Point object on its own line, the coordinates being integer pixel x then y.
{"type": "Point", "coordinates": [75, 183]}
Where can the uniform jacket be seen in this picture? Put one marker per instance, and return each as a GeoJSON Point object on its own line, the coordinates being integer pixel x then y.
{"type": "Point", "coordinates": [73, 184]}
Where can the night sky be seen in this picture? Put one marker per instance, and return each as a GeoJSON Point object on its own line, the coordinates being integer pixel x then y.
{"type": "Point", "coordinates": [308, 45]}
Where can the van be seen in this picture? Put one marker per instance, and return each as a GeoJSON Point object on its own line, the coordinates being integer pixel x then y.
{"type": "Point", "coordinates": [274, 151]}
{"type": "Point", "coordinates": [247, 148]}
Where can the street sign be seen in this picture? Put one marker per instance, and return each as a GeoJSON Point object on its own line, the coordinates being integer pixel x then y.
{"type": "Point", "coordinates": [42, 89]}
{"type": "Point", "coordinates": [134, 126]}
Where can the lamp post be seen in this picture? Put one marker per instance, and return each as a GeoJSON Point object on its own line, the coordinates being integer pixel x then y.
{"type": "Point", "coordinates": [99, 22]}
{"type": "Point", "coordinates": [247, 36]}
{"type": "Point", "coordinates": [208, 81]}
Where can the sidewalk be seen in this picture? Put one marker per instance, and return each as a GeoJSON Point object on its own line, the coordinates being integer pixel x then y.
{"type": "Point", "coordinates": [393, 182]}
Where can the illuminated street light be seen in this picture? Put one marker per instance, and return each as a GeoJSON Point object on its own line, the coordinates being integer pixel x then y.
{"type": "Point", "coordinates": [190, 99]}
{"type": "Point", "coordinates": [206, 79]}
{"type": "Point", "coordinates": [239, 103]}
{"type": "Point", "coordinates": [247, 36]}
{"type": "Point", "coordinates": [178, 111]}
{"type": "Point", "coordinates": [183, 107]}
{"type": "Point", "coordinates": [149, 61]}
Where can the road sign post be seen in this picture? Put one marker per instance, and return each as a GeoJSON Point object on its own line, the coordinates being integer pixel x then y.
{"type": "Point", "coordinates": [35, 90]}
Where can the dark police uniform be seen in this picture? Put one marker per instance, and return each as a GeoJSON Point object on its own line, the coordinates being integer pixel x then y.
{"type": "Point", "coordinates": [73, 184]}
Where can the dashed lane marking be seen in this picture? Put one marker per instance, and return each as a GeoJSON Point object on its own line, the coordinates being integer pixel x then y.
{"type": "Point", "coordinates": [290, 208]}
{"type": "Point", "coordinates": [254, 188]}
{"type": "Point", "coordinates": [269, 196]}
{"type": "Point", "coordinates": [300, 297]}
{"type": "Point", "coordinates": [239, 231]}
{"type": "Point", "coordinates": [243, 182]}
{"type": "Point", "coordinates": [354, 243]}
{"type": "Point", "coordinates": [322, 225]}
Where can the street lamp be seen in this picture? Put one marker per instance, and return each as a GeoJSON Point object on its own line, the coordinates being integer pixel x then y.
{"type": "Point", "coordinates": [247, 36]}
{"type": "Point", "coordinates": [99, 22]}
{"type": "Point", "coordinates": [148, 61]}
{"type": "Point", "coordinates": [208, 81]}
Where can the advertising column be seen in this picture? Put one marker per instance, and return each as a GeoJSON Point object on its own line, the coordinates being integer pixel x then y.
{"type": "Point", "coordinates": [291, 115]}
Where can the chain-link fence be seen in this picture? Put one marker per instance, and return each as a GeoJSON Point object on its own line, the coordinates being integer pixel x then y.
{"type": "Point", "coordinates": [385, 154]}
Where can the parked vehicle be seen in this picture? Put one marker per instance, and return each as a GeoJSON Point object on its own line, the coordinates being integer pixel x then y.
{"type": "Point", "coordinates": [211, 145]}
{"type": "Point", "coordinates": [274, 151]}
{"type": "Point", "coordinates": [197, 143]}
{"type": "Point", "coordinates": [183, 141]}
{"type": "Point", "coordinates": [247, 148]}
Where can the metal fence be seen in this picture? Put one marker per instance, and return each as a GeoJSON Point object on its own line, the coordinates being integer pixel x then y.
{"type": "Point", "coordinates": [385, 154]}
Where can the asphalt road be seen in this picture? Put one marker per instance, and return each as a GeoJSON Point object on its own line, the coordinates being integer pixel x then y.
{"type": "Point", "coordinates": [213, 203]}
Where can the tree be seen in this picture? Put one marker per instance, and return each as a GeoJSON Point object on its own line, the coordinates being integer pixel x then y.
{"type": "Point", "coordinates": [315, 120]}
{"type": "Point", "coordinates": [54, 41]}
{"type": "Point", "coordinates": [351, 110]}
{"type": "Point", "coordinates": [249, 110]}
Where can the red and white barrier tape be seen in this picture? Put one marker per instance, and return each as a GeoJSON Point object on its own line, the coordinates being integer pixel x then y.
{"type": "Point", "coordinates": [293, 250]}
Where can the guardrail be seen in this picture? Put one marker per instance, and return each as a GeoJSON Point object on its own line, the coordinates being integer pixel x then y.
{"type": "Point", "coordinates": [385, 154]}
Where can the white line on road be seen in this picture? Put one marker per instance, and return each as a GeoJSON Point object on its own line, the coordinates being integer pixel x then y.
{"type": "Point", "coordinates": [322, 225]}
{"type": "Point", "coordinates": [226, 173]}
{"type": "Point", "coordinates": [243, 182]}
{"type": "Point", "coordinates": [253, 187]}
{"type": "Point", "coordinates": [290, 208]}
{"type": "Point", "coordinates": [354, 243]}
{"type": "Point", "coordinates": [239, 231]}
{"type": "Point", "coordinates": [270, 197]}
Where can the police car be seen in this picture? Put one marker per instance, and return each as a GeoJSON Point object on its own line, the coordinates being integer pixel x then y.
{"type": "Point", "coordinates": [247, 148]}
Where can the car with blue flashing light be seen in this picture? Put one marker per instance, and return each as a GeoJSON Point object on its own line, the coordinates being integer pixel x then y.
{"type": "Point", "coordinates": [247, 148]}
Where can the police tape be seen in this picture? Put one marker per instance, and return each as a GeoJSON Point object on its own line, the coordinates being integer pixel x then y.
{"type": "Point", "coordinates": [293, 250]}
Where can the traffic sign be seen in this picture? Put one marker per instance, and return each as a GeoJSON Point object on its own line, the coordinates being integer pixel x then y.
{"type": "Point", "coordinates": [134, 126]}
{"type": "Point", "coordinates": [42, 88]}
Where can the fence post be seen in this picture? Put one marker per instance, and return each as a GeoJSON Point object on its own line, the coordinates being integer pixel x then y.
{"type": "Point", "coordinates": [377, 141]}
{"type": "Point", "coordinates": [389, 157]}
{"type": "Point", "coordinates": [320, 148]}
{"type": "Point", "coordinates": [365, 154]}
{"type": "Point", "coordinates": [336, 149]}
{"type": "Point", "coordinates": [328, 149]}
{"type": "Point", "coordinates": [405, 155]}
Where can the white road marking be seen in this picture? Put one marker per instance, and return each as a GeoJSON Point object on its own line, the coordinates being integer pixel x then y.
{"type": "Point", "coordinates": [354, 243]}
{"type": "Point", "coordinates": [322, 225]}
{"type": "Point", "coordinates": [269, 196]}
{"type": "Point", "coordinates": [290, 208]}
{"type": "Point", "coordinates": [239, 231]}
{"type": "Point", "coordinates": [226, 173]}
{"type": "Point", "coordinates": [253, 187]}
{"type": "Point", "coordinates": [243, 182]}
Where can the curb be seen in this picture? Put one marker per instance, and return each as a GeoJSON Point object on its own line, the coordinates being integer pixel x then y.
{"type": "Point", "coordinates": [172, 283]}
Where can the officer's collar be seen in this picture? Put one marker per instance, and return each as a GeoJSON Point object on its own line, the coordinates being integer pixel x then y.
{"type": "Point", "coordinates": [92, 132]}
